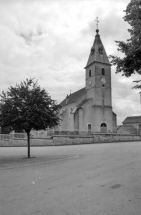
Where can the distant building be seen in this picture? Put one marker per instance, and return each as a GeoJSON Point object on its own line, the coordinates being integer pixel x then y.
{"type": "Point", "coordinates": [131, 125]}
{"type": "Point", "coordinates": [90, 108]}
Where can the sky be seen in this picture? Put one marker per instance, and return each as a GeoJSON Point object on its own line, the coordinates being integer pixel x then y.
{"type": "Point", "coordinates": [50, 40]}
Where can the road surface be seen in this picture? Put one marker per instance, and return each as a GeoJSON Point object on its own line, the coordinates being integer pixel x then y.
{"type": "Point", "coordinates": [94, 179]}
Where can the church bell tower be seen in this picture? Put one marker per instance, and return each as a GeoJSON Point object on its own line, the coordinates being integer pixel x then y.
{"type": "Point", "coordinates": [98, 85]}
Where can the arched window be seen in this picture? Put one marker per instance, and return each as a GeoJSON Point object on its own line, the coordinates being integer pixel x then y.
{"type": "Point", "coordinates": [103, 71]}
{"type": "Point", "coordinates": [90, 73]}
{"type": "Point", "coordinates": [103, 124]}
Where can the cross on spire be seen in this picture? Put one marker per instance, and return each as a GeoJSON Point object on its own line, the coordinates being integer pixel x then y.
{"type": "Point", "coordinates": [97, 21]}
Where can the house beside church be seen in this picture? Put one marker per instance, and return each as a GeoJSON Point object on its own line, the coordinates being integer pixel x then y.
{"type": "Point", "coordinates": [90, 108]}
{"type": "Point", "coordinates": [131, 125]}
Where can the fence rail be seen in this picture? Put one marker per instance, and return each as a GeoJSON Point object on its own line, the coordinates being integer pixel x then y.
{"type": "Point", "coordinates": [4, 137]}
{"type": "Point", "coordinates": [73, 133]}
{"type": "Point", "coordinates": [49, 134]}
{"type": "Point", "coordinates": [12, 136]}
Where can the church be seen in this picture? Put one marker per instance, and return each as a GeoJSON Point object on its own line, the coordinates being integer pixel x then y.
{"type": "Point", "coordinates": [89, 110]}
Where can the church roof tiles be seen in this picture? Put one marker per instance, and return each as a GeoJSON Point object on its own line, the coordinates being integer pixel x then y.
{"type": "Point", "coordinates": [73, 97]}
{"type": "Point", "coordinates": [84, 102]}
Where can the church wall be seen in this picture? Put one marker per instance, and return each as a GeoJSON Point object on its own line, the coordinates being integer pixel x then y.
{"type": "Point", "coordinates": [107, 75]}
{"type": "Point", "coordinates": [91, 93]}
{"type": "Point", "coordinates": [78, 116]}
{"type": "Point", "coordinates": [92, 68]}
{"type": "Point", "coordinates": [69, 118]}
{"type": "Point", "coordinates": [67, 122]}
{"type": "Point", "coordinates": [97, 94]}
{"type": "Point", "coordinates": [107, 88]}
{"type": "Point", "coordinates": [94, 116]}
{"type": "Point", "coordinates": [76, 121]}
{"type": "Point", "coordinates": [87, 116]}
{"type": "Point", "coordinates": [70, 121]}
{"type": "Point", "coordinates": [108, 115]}
{"type": "Point", "coordinates": [71, 124]}
{"type": "Point", "coordinates": [63, 121]}
{"type": "Point", "coordinates": [95, 90]}
{"type": "Point", "coordinates": [97, 118]}
{"type": "Point", "coordinates": [114, 123]}
{"type": "Point", "coordinates": [98, 98]}
{"type": "Point", "coordinates": [107, 68]}
{"type": "Point", "coordinates": [90, 88]}
{"type": "Point", "coordinates": [96, 70]}
{"type": "Point", "coordinates": [107, 97]}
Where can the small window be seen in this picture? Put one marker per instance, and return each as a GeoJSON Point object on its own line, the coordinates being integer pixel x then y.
{"type": "Point", "coordinates": [89, 128]}
{"type": "Point", "coordinates": [92, 51]}
{"type": "Point", "coordinates": [101, 50]}
{"type": "Point", "coordinates": [103, 71]}
{"type": "Point", "coordinates": [90, 73]}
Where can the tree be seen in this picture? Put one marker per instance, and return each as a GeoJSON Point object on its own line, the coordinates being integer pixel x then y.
{"type": "Point", "coordinates": [131, 62]}
{"type": "Point", "coordinates": [5, 130]}
{"type": "Point", "coordinates": [27, 106]}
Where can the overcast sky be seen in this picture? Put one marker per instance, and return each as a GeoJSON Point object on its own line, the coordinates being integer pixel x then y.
{"type": "Point", "coordinates": [51, 40]}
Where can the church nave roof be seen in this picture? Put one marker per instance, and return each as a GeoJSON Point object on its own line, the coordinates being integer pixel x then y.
{"type": "Point", "coordinates": [73, 97]}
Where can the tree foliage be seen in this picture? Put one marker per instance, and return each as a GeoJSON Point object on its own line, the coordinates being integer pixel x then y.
{"type": "Point", "coordinates": [131, 62]}
{"type": "Point", "coordinates": [26, 106]}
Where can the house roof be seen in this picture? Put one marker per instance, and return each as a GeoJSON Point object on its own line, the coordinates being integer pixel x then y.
{"type": "Point", "coordinates": [73, 97]}
{"type": "Point", "coordinates": [132, 119]}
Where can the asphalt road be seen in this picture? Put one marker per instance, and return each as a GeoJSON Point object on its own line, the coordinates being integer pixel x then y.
{"type": "Point", "coordinates": [100, 179]}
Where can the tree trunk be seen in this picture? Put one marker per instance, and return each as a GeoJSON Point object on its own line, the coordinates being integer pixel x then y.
{"type": "Point", "coordinates": [28, 142]}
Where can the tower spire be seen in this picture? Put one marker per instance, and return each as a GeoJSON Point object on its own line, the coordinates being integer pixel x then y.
{"type": "Point", "coordinates": [97, 53]}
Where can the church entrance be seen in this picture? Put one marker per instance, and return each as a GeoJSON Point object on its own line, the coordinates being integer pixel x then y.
{"type": "Point", "coordinates": [103, 127]}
